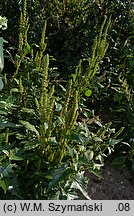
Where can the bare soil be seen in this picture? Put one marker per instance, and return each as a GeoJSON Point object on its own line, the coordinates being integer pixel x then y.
{"type": "Point", "coordinates": [114, 185]}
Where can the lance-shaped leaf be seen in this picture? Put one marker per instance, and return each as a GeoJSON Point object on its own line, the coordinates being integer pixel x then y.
{"type": "Point", "coordinates": [1, 53]}
{"type": "Point", "coordinates": [1, 83]}
{"type": "Point", "coordinates": [29, 127]}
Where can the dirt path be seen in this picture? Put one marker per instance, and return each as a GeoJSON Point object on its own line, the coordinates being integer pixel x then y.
{"type": "Point", "coordinates": [114, 185]}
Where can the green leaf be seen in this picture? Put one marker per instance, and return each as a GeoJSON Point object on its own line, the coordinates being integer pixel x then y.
{"type": "Point", "coordinates": [118, 132]}
{"type": "Point", "coordinates": [14, 90]}
{"type": "Point", "coordinates": [29, 111]}
{"type": "Point", "coordinates": [91, 155]}
{"type": "Point", "coordinates": [6, 169]}
{"type": "Point", "coordinates": [3, 112]}
{"type": "Point", "coordinates": [95, 172]}
{"type": "Point", "coordinates": [16, 158]}
{"type": "Point", "coordinates": [62, 87]}
{"type": "Point", "coordinates": [120, 110]}
{"type": "Point", "coordinates": [29, 145]}
{"type": "Point", "coordinates": [71, 151]}
{"type": "Point", "coordinates": [6, 105]}
{"type": "Point", "coordinates": [6, 152]}
{"type": "Point", "coordinates": [8, 124]}
{"type": "Point", "coordinates": [81, 185]}
{"type": "Point", "coordinates": [54, 74]}
{"type": "Point", "coordinates": [1, 84]}
{"type": "Point", "coordinates": [4, 183]}
{"type": "Point", "coordinates": [88, 93]}
{"type": "Point", "coordinates": [58, 106]}
{"type": "Point", "coordinates": [85, 161]}
{"type": "Point", "coordinates": [59, 175]}
{"type": "Point", "coordinates": [97, 139]}
{"type": "Point", "coordinates": [29, 127]}
{"type": "Point", "coordinates": [1, 53]}
{"type": "Point", "coordinates": [27, 49]}
{"type": "Point", "coordinates": [77, 186]}
{"type": "Point", "coordinates": [45, 175]}
{"type": "Point", "coordinates": [59, 121]}
{"type": "Point", "coordinates": [114, 141]}
{"type": "Point", "coordinates": [125, 143]}
{"type": "Point", "coordinates": [74, 136]}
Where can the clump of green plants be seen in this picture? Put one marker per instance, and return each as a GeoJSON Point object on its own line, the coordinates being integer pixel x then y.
{"type": "Point", "coordinates": [3, 26]}
{"type": "Point", "coordinates": [124, 97]}
{"type": "Point", "coordinates": [45, 148]}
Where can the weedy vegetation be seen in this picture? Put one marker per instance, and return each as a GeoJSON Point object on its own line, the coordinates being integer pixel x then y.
{"type": "Point", "coordinates": [52, 130]}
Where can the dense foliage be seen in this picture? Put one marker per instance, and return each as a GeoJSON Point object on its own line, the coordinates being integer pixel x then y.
{"type": "Point", "coordinates": [66, 94]}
